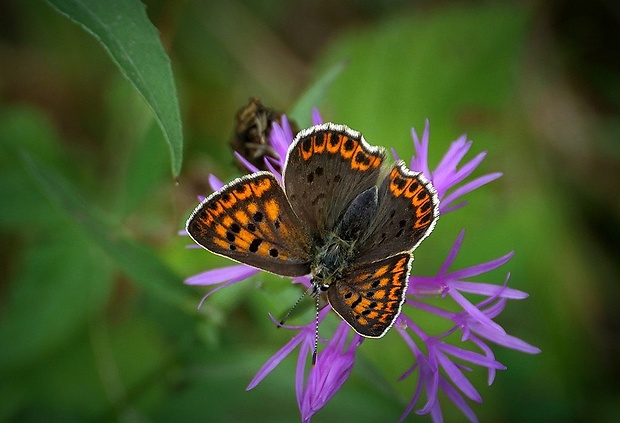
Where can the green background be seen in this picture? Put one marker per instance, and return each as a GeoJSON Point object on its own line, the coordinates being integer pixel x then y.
{"type": "Point", "coordinates": [95, 322]}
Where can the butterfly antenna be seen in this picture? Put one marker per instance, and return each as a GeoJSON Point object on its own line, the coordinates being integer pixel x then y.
{"type": "Point", "coordinates": [285, 318]}
{"type": "Point", "coordinates": [316, 332]}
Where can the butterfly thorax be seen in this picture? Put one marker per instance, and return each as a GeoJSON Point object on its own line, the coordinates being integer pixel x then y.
{"type": "Point", "coordinates": [339, 247]}
{"type": "Point", "coordinates": [331, 259]}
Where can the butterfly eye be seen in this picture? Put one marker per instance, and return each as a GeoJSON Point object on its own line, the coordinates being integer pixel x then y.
{"type": "Point", "coordinates": [319, 279]}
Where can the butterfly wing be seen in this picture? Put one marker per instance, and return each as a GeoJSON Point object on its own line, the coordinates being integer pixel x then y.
{"type": "Point", "coordinates": [369, 296]}
{"type": "Point", "coordinates": [407, 212]}
{"type": "Point", "coordinates": [328, 166]}
{"type": "Point", "coordinates": [251, 221]}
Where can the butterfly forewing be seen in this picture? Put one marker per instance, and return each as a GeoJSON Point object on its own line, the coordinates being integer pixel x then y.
{"type": "Point", "coordinates": [251, 221]}
{"type": "Point", "coordinates": [407, 212]}
{"type": "Point", "coordinates": [369, 296]}
{"type": "Point", "coordinates": [327, 166]}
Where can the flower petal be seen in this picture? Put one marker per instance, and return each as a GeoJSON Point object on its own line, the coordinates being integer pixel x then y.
{"type": "Point", "coordinates": [215, 183]}
{"type": "Point", "coordinates": [481, 268]}
{"type": "Point", "coordinates": [419, 162]}
{"type": "Point", "coordinates": [234, 273]}
{"type": "Point", "coordinates": [452, 254]}
{"type": "Point", "coordinates": [458, 378]}
{"type": "Point", "coordinates": [317, 119]}
{"type": "Point", "coordinates": [474, 312]}
{"type": "Point", "coordinates": [276, 359]}
{"type": "Point", "coordinates": [249, 166]}
{"type": "Point", "coordinates": [470, 186]}
{"type": "Point", "coordinates": [489, 290]}
{"type": "Point", "coordinates": [458, 400]}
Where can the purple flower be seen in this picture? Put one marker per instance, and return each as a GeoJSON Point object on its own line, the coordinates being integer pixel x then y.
{"type": "Point", "coordinates": [446, 176]}
{"type": "Point", "coordinates": [440, 365]}
{"type": "Point", "coordinates": [333, 366]}
{"type": "Point", "coordinates": [474, 322]}
{"type": "Point", "coordinates": [305, 338]}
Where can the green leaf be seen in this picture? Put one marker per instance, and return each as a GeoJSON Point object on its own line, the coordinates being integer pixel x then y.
{"type": "Point", "coordinates": [58, 285]}
{"type": "Point", "coordinates": [123, 28]}
{"type": "Point", "coordinates": [456, 67]}
{"type": "Point", "coordinates": [136, 260]}
{"type": "Point", "coordinates": [107, 368]}
{"type": "Point", "coordinates": [302, 110]}
{"type": "Point", "coordinates": [145, 171]}
{"type": "Point", "coordinates": [24, 128]}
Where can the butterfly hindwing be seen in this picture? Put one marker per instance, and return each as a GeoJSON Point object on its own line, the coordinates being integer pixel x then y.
{"type": "Point", "coordinates": [251, 221]}
{"type": "Point", "coordinates": [369, 296]}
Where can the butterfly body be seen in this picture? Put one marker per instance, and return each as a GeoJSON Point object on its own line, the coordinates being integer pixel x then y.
{"type": "Point", "coordinates": [332, 259]}
{"type": "Point", "coordinates": [342, 216]}
{"type": "Point", "coordinates": [340, 246]}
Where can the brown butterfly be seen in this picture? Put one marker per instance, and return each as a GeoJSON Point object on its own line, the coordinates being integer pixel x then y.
{"type": "Point", "coordinates": [342, 215]}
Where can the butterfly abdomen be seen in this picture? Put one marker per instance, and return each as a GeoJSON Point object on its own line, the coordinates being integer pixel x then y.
{"type": "Point", "coordinates": [358, 215]}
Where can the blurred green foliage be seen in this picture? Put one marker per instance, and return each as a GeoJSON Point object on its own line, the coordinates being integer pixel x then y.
{"type": "Point", "coordinates": [95, 322]}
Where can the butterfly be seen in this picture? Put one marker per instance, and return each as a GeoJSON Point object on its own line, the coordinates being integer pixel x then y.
{"type": "Point", "coordinates": [342, 215]}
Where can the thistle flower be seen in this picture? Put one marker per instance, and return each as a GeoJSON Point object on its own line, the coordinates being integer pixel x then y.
{"type": "Point", "coordinates": [433, 355]}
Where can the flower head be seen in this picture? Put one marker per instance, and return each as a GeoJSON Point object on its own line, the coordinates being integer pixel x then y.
{"type": "Point", "coordinates": [446, 175]}
{"type": "Point", "coordinates": [440, 362]}
{"type": "Point", "coordinates": [332, 369]}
